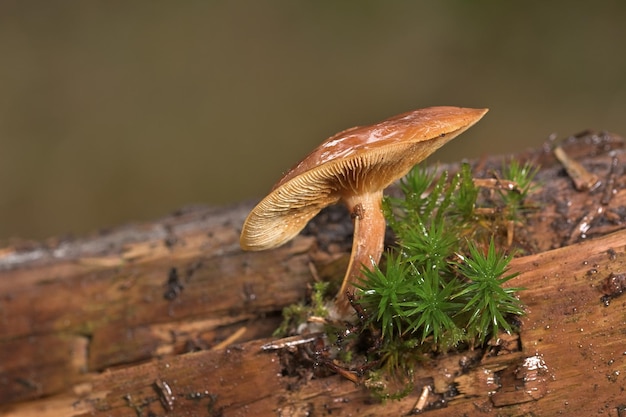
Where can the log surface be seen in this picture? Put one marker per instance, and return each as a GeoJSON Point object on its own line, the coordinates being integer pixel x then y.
{"type": "Point", "coordinates": [168, 318]}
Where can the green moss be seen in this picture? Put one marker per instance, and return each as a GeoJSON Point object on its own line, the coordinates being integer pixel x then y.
{"type": "Point", "coordinates": [441, 286]}
{"type": "Point", "coordinates": [297, 314]}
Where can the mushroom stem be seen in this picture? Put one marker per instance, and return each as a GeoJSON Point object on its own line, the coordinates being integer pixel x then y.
{"type": "Point", "coordinates": [367, 244]}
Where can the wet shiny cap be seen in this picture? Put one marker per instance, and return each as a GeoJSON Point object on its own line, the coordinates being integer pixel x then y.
{"type": "Point", "coordinates": [359, 160]}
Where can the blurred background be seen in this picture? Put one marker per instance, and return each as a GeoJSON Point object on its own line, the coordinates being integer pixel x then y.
{"type": "Point", "coordinates": [114, 112]}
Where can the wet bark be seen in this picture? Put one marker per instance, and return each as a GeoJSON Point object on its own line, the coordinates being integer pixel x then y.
{"type": "Point", "coordinates": [169, 318]}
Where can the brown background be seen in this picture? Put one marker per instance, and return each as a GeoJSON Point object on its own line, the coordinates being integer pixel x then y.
{"type": "Point", "coordinates": [118, 111]}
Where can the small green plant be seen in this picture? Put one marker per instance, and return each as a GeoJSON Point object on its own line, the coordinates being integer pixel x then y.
{"type": "Point", "coordinates": [443, 285]}
{"type": "Point", "coordinates": [521, 176]}
{"type": "Point", "coordinates": [441, 306]}
{"type": "Point", "coordinates": [486, 300]}
{"type": "Point", "coordinates": [296, 314]}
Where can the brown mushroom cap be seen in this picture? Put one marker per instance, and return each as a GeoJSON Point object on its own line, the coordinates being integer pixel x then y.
{"type": "Point", "coordinates": [358, 160]}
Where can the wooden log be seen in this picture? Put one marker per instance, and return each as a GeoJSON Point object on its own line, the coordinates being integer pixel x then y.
{"type": "Point", "coordinates": [133, 304]}
{"type": "Point", "coordinates": [124, 322]}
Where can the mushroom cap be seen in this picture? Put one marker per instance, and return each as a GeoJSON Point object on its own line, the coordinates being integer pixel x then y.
{"type": "Point", "coordinates": [364, 159]}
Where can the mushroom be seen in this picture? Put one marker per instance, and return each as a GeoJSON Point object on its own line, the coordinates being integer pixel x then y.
{"type": "Point", "coordinates": [353, 166]}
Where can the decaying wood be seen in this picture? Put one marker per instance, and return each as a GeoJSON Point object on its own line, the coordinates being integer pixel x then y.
{"type": "Point", "coordinates": [169, 318]}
